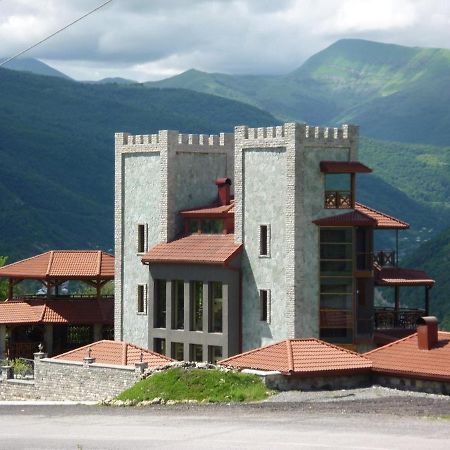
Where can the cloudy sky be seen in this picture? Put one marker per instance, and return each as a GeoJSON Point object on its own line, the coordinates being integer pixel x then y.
{"type": "Point", "coordinates": [154, 39]}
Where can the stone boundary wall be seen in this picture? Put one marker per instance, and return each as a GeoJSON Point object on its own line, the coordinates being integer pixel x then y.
{"type": "Point", "coordinates": [412, 384]}
{"type": "Point", "coordinates": [70, 380]}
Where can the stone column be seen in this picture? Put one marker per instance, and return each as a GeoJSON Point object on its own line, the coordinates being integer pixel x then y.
{"type": "Point", "coordinates": [48, 338]}
{"type": "Point", "coordinates": [2, 342]}
{"type": "Point", "coordinates": [98, 332]}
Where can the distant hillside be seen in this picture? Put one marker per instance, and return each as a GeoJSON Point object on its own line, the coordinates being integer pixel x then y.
{"type": "Point", "coordinates": [34, 66]}
{"type": "Point", "coordinates": [434, 257]}
{"type": "Point", "coordinates": [57, 152]}
{"type": "Point", "coordinates": [393, 92]}
{"type": "Point", "coordinates": [114, 80]}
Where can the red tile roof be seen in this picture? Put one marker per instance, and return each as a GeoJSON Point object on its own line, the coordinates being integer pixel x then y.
{"type": "Point", "coordinates": [301, 357]}
{"type": "Point", "coordinates": [196, 249]}
{"type": "Point", "coordinates": [362, 216]}
{"type": "Point", "coordinates": [209, 211]}
{"type": "Point", "coordinates": [116, 353]}
{"type": "Point", "coordinates": [63, 264]}
{"type": "Point", "coordinates": [343, 167]}
{"type": "Point", "coordinates": [403, 357]}
{"type": "Point", "coordinates": [396, 276]}
{"type": "Point", "coordinates": [71, 311]}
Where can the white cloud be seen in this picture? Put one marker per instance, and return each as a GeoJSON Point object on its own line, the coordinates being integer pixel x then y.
{"type": "Point", "coordinates": [151, 39]}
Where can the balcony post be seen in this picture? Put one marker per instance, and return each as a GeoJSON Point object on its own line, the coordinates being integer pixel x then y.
{"type": "Point", "coordinates": [397, 306]}
{"type": "Point", "coordinates": [427, 300]}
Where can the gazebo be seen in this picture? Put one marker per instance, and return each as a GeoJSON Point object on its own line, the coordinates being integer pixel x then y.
{"type": "Point", "coordinates": [58, 320]}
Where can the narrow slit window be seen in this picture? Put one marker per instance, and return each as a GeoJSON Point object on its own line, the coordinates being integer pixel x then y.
{"type": "Point", "coordinates": [264, 305]}
{"type": "Point", "coordinates": [142, 299]}
{"type": "Point", "coordinates": [141, 238]}
{"type": "Point", "coordinates": [264, 238]}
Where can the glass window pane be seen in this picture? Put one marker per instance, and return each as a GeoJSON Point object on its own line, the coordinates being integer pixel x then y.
{"type": "Point", "coordinates": [336, 235]}
{"type": "Point", "coordinates": [216, 307]}
{"type": "Point", "coordinates": [178, 305]}
{"type": "Point", "coordinates": [196, 352]}
{"type": "Point", "coordinates": [159, 346]}
{"type": "Point", "coordinates": [215, 353]}
{"type": "Point", "coordinates": [336, 251]}
{"type": "Point", "coordinates": [160, 303]}
{"type": "Point", "coordinates": [335, 268]}
{"type": "Point", "coordinates": [196, 305]}
{"type": "Point", "coordinates": [193, 226]}
{"type": "Point", "coordinates": [178, 351]}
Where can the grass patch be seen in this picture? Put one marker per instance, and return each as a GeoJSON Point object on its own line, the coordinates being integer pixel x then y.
{"type": "Point", "coordinates": [197, 384]}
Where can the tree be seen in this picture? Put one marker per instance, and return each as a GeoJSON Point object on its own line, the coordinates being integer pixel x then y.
{"type": "Point", "coordinates": [3, 283]}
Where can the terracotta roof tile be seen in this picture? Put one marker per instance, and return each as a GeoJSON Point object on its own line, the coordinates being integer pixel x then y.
{"type": "Point", "coordinates": [343, 167]}
{"type": "Point", "coordinates": [397, 276]}
{"type": "Point", "coordinates": [301, 357]}
{"type": "Point", "coordinates": [116, 353]}
{"type": "Point", "coordinates": [63, 264]}
{"type": "Point", "coordinates": [362, 216]}
{"type": "Point", "coordinates": [196, 248]}
{"type": "Point", "coordinates": [57, 311]}
{"type": "Point", "coordinates": [403, 357]}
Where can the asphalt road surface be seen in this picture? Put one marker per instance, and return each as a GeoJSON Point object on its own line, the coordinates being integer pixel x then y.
{"type": "Point", "coordinates": [340, 425]}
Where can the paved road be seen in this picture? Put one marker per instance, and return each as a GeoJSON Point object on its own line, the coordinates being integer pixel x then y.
{"type": "Point", "coordinates": [205, 427]}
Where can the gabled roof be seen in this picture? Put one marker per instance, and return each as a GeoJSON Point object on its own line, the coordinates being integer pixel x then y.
{"type": "Point", "coordinates": [57, 311]}
{"type": "Point", "coordinates": [63, 264]}
{"type": "Point", "coordinates": [404, 357]}
{"type": "Point", "coordinates": [396, 276]}
{"type": "Point", "coordinates": [116, 353]}
{"type": "Point", "coordinates": [343, 167]}
{"type": "Point", "coordinates": [209, 211]}
{"type": "Point", "coordinates": [362, 216]}
{"type": "Point", "coordinates": [196, 249]}
{"type": "Point", "coordinates": [301, 357]}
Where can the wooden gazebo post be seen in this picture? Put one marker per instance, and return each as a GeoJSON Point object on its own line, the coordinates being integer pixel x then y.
{"type": "Point", "coordinates": [397, 306]}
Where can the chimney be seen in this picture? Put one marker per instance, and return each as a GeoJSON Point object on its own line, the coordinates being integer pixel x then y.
{"type": "Point", "coordinates": [223, 190]}
{"type": "Point", "coordinates": [427, 332]}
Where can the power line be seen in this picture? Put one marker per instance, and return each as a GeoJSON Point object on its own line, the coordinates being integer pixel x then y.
{"type": "Point", "coordinates": [55, 33]}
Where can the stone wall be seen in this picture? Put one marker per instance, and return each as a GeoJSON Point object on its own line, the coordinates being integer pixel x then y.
{"type": "Point", "coordinates": [412, 384]}
{"type": "Point", "coordinates": [67, 380]}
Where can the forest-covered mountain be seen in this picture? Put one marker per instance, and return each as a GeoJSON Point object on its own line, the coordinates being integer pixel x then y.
{"type": "Point", "coordinates": [57, 152]}
{"type": "Point", "coordinates": [393, 92]}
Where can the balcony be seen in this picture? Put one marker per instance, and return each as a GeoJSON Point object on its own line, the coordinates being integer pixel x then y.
{"type": "Point", "coordinates": [383, 258]}
{"type": "Point", "coordinates": [338, 200]}
{"type": "Point", "coordinates": [390, 318]}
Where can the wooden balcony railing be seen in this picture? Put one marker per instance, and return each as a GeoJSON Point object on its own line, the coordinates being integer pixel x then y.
{"type": "Point", "coordinates": [389, 318]}
{"type": "Point", "coordinates": [385, 258]}
{"type": "Point", "coordinates": [338, 199]}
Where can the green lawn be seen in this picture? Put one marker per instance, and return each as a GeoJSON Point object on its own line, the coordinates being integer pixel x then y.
{"type": "Point", "coordinates": [197, 384]}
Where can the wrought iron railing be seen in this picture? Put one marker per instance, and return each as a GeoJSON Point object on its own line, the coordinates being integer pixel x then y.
{"type": "Point", "coordinates": [388, 318]}
{"type": "Point", "coordinates": [338, 199]}
{"type": "Point", "coordinates": [385, 258]}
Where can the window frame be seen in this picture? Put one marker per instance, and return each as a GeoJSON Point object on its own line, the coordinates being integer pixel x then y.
{"type": "Point", "coordinates": [142, 300]}
{"type": "Point", "coordinates": [266, 242]}
{"type": "Point", "coordinates": [264, 305]}
{"type": "Point", "coordinates": [142, 238]}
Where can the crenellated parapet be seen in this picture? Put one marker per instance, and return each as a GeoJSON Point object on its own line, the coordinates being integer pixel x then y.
{"type": "Point", "coordinates": [306, 133]}
{"type": "Point", "coordinates": [174, 139]}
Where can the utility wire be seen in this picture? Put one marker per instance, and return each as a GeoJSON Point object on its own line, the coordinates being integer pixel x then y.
{"type": "Point", "coordinates": [55, 33]}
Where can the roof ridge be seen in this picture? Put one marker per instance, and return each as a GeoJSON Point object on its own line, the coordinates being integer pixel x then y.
{"type": "Point", "coordinates": [99, 263]}
{"type": "Point", "coordinates": [381, 213]}
{"type": "Point", "coordinates": [49, 266]}
{"type": "Point", "coordinates": [337, 347]}
{"type": "Point", "coordinates": [149, 351]}
{"type": "Point", "coordinates": [390, 344]}
{"type": "Point", "coordinates": [290, 355]}
{"type": "Point", "coordinates": [253, 350]}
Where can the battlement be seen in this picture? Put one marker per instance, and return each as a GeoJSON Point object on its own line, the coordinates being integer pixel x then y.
{"type": "Point", "coordinates": [307, 133]}
{"type": "Point", "coordinates": [174, 138]}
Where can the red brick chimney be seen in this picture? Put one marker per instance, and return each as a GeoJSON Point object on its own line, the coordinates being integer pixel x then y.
{"type": "Point", "coordinates": [427, 332]}
{"type": "Point", "coordinates": [223, 188]}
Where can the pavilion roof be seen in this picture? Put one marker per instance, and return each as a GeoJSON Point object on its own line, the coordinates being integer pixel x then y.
{"type": "Point", "coordinates": [63, 264]}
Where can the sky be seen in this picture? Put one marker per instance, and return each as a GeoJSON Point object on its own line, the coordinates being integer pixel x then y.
{"type": "Point", "coordinates": [148, 40]}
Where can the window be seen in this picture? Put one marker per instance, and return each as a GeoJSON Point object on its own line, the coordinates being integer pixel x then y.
{"type": "Point", "coordinates": [264, 305]}
{"type": "Point", "coordinates": [159, 346]}
{"type": "Point", "coordinates": [212, 226]}
{"type": "Point", "coordinates": [196, 305]}
{"type": "Point", "coordinates": [338, 190]}
{"type": "Point", "coordinates": [160, 304]}
{"type": "Point", "coordinates": [196, 352]}
{"type": "Point", "coordinates": [178, 351]}
{"type": "Point", "coordinates": [142, 238]}
{"type": "Point", "coordinates": [216, 307]}
{"type": "Point", "coordinates": [78, 335]}
{"type": "Point", "coordinates": [178, 305]}
{"type": "Point", "coordinates": [142, 299]}
{"type": "Point", "coordinates": [336, 284]}
{"type": "Point", "coordinates": [193, 226]}
{"type": "Point", "coordinates": [264, 240]}
{"type": "Point", "coordinates": [214, 353]}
